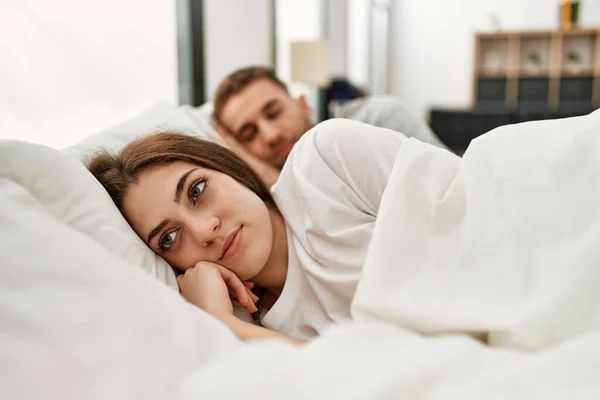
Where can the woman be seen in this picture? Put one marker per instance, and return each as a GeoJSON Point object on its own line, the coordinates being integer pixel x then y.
{"type": "Point", "coordinates": [209, 215]}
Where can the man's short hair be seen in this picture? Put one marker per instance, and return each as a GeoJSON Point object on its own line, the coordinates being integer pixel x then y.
{"type": "Point", "coordinates": [237, 81]}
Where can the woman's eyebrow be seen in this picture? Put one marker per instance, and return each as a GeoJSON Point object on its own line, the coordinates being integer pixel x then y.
{"type": "Point", "coordinates": [156, 230]}
{"type": "Point", "coordinates": [181, 184]}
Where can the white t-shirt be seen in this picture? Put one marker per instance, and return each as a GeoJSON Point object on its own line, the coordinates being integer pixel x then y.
{"type": "Point", "coordinates": [329, 193]}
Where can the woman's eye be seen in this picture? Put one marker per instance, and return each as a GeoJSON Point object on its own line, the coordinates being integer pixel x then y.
{"type": "Point", "coordinates": [197, 190]}
{"type": "Point", "coordinates": [167, 241]}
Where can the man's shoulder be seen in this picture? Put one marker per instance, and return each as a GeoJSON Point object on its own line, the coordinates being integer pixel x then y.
{"type": "Point", "coordinates": [369, 109]}
{"type": "Point", "coordinates": [388, 112]}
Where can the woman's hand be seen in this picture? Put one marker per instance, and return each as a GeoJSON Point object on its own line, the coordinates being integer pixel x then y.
{"type": "Point", "coordinates": [209, 286]}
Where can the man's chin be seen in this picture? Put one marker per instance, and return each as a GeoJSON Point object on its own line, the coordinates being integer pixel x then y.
{"type": "Point", "coordinates": [279, 160]}
{"type": "Point", "coordinates": [279, 163]}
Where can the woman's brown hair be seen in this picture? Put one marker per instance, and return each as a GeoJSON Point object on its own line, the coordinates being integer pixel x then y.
{"type": "Point", "coordinates": [116, 172]}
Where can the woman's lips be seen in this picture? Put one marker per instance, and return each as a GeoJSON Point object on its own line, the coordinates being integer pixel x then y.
{"type": "Point", "coordinates": [232, 243]}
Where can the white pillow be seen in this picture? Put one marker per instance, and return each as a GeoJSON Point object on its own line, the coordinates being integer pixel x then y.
{"type": "Point", "coordinates": [101, 219]}
{"type": "Point", "coordinates": [69, 192]}
{"type": "Point", "coordinates": [160, 117]}
{"type": "Point", "coordinates": [73, 195]}
{"type": "Point", "coordinates": [77, 322]}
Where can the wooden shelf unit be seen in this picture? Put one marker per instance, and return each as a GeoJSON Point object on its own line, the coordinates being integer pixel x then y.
{"type": "Point", "coordinates": [540, 68]}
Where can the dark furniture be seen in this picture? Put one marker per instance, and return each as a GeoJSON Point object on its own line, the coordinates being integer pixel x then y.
{"type": "Point", "coordinates": [457, 128]}
{"type": "Point", "coordinates": [524, 76]}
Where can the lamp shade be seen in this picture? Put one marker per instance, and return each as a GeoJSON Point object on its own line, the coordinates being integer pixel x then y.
{"type": "Point", "coordinates": [310, 63]}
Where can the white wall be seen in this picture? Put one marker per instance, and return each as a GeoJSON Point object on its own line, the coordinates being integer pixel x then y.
{"type": "Point", "coordinates": [358, 42]}
{"type": "Point", "coordinates": [297, 21]}
{"type": "Point", "coordinates": [70, 68]}
{"type": "Point", "coordinates": [379, 34]}
{"type": "Point", "coordinates": [237, 34]}
{"type": "Point", "coordinates": [336, 32]}
{"type": "Point", "coordinates": [432, 43]}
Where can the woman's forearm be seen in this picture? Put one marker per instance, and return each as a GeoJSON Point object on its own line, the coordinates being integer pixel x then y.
{"type": "Point", "coordinates": [246, 331]}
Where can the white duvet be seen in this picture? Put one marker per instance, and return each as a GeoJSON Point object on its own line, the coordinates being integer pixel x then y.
{"type": "Point", "coordinates": [504, 241]}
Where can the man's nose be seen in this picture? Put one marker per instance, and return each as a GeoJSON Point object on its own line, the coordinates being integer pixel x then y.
{"type": "Point", "coordinates": [205, 230]}
{"type": "Point", "coordinates": [271, 133]}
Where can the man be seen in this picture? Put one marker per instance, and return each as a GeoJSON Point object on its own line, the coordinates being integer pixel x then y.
{"type": "Point", "coordinates": [261, 121]}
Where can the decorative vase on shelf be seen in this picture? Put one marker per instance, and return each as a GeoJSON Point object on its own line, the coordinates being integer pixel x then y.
{"type": "Point", "coordinates": [533, 64]}
{"type": "Point", "coordinates": [569, 12]}
{"type": "Point", "coordinates": [573, 62]}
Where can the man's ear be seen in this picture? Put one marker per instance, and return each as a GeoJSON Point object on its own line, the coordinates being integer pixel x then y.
{"type": "Point", "coordinates": [222, 131]}
{"type": "Point", "coordinates": [304, 106]}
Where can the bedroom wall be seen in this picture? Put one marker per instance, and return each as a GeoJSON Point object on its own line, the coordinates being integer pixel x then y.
{"type": "Point", "coordinates": [70, 68]}
{"type": "Point", "coordinates": [336, 32]}
{"type": "Point", "coordinates": [238, 33]}
{"type": "Point", "coordinates": [432, 43]}
{"type": "Point", "coordinates": [358, 42]}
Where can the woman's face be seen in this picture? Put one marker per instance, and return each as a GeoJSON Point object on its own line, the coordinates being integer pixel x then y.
{"type": "Point", "coordinates": [189, 214]}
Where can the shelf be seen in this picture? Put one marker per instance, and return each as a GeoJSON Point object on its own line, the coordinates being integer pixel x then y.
{"type": "Point", "coordinates": [535, 55]}
{"type": "Point", "coordinates": [533, 72]}
{"type": "Point", "coordinates": [579, 71]}
{"type": "Point", "coordinates": [526, 35]}
{"type": "Point", "coordinates": [493, 57]}
{"type": "Point", "coordinates": [576, 31]}
{"type": "Point", "coordinates": [577, 52]}
{"type": "Point", "coordinates": [577, 89]}
{"type": "Point", "coordinates": [494, 36]}
{"type": "Point", "coordinates": [487, 72]}
{"type": "Point", "coordinates": [503, 34]}
{"type": "Point", "coordinates": [548, 67]}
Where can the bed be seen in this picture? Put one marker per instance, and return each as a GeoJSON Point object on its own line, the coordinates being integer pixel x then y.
{"type": "Point", "coordinates": [87, 311]}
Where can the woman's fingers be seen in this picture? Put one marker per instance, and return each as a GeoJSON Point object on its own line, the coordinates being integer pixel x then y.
{"type": "Point", "coordinates": [250, 285]}
{"type": "Point", "coordinates": [231, 293]}
{"type": "Point", "coordinates": [238, 288]}
{"type": "Point", "coordinates": [253, 297]}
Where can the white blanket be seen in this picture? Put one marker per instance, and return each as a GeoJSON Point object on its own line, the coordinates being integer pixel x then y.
{"type": "Point", "coordinates": [364, 361]}
{"type": "Point", "coordinates": [504, 241]}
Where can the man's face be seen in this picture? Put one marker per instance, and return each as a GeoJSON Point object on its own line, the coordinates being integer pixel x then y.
{"type": "Point", "coordinates": [266, 120]}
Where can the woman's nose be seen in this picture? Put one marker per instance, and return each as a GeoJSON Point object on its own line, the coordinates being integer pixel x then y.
{"type": "Point", "coordinates": [205, 230]}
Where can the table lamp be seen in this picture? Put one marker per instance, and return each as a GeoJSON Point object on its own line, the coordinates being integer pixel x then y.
{"type": "Point", "coordinates": [309, 61]}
